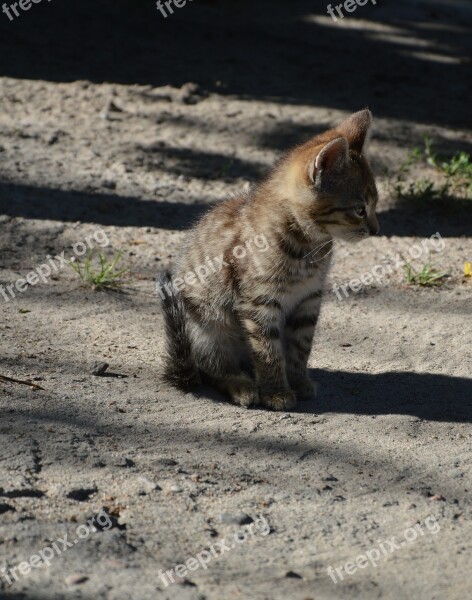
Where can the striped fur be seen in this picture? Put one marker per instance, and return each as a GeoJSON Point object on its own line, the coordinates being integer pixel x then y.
{"type": "Point", "coordinates": [248, 327]}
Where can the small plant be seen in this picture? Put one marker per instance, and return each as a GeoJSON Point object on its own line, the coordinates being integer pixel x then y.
{"type": "Point", "coordinates": [423, 189]}
{"type": "Point", "coordinates": [428, 276]}
{"type": "Point", "coordinates": [107, 275]}
{"type": "Point", "coordinates": [456, 173]}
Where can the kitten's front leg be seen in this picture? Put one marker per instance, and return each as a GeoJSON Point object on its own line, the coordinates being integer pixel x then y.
{"type": "Point", "coordinates": [264, 335]}
{"type": "Point", "coordinates": [299, 331]}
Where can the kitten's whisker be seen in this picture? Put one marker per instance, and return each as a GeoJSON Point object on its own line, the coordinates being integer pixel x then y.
{"type": "Point", "coordinates": [315, 251]}
{"type": "Point", "coordinates": [322, 257]}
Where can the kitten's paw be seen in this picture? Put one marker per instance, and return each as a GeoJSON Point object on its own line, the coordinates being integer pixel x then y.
{"type": "Point", "coordinates": [281, 401]}
{"type": "Point", "coordinates": [245, 396]}
{"type": "Point", "coordinates": [305, 389]}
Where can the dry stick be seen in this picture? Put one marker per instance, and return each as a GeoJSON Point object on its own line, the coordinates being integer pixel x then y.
{"type": "Point", "coordinates": [30, 383]}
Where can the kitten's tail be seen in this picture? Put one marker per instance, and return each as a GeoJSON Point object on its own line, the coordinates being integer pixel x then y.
{"type": "Point", "coordinates": [180, 369]}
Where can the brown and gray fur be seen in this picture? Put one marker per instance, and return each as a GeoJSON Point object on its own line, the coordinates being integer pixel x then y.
{"type": "Point", "coordinates": [248, 328]}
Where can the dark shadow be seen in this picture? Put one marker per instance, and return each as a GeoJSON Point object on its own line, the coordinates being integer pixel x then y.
{"type": "Point", "coordinates": [49, 595]}
{"type": "Point", "coordinates": [196, 164]}
{"type": "Point", "coordinates": [416, 218]}
{"type": "Point", "coordinates": [285, 134]}
{"type": "Point", "coordinates": [428, 396]}
{"type": "Point", "coordinates": [431, 397]}
{"type": "Point", "coordinates": [106, 209]}
{"type": "Point", "coordinates": [290, 52]}
{"type": "Point", "coordinates": [451, 218]}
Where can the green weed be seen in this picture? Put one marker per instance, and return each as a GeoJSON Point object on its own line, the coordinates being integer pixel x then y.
{"type": "Point", "coordinates": [428, 276]}
{"type": "Point", "coordinates": [455, 174]}
{"type": "Point", "coordinates": [105, 275]}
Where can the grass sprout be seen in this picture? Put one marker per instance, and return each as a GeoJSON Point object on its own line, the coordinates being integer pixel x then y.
{"type": "Point", "coordinates": [105, 275]}
{"type": "Point", "coordinates": [427, 276]}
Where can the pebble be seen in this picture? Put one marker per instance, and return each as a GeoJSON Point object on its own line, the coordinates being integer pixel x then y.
{"type": "Point", "coordinates": [122, 461]}
{"type": "Point", "coordinates": [109, 184]}
{"type": "Point", "coordinates": [81, 494]}
{"type": "Point", "coordinates": [52, 139]}
{"type": "Point", "coordinates": [176, 489]}
{"type": "Point", "coordinates": [75, 579]}
{"type": "Point", "coordinates": [113, 107]}
{"type": "Point", "coordinates": [146, 486]}
{"type": "Point", "coordinates": [99, 368]}
{"type": "Point", "coordinates": [293, 575]}
{"type": "Point", "coordinates": [235, 519]}
{"type": "Point", "coordinates": [165, 462]}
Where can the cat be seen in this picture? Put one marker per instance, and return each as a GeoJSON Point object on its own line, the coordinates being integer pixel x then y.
{"type": "Point", "coordinates": [247, 327]}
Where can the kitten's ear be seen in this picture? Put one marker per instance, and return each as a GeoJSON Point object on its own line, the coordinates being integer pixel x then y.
{"type": "Point", "coordinates": [333, 157]}
{"type": "Point", "coordinates": [355, 129]}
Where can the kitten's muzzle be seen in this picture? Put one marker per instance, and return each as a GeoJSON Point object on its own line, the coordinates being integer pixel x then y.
{"type": "Point", "coordinates": [374, 230]}
{"type": "Point", "coordinates": [373, 226]}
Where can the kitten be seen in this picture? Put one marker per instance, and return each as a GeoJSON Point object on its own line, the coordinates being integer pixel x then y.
{"type": "Point", "coordinates": [247, 326]}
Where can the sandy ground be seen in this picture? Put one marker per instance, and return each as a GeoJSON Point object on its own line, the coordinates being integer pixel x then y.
{"type": "Point", "coordinates": [131, 124]}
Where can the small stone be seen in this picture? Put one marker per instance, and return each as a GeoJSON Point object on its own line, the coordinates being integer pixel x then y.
{"type": "Point", "coordinates": [113, 107]}
{"type": "Point", "coordinates": [75, 579]}
{"type": "Point", "coordinates": [190, 93]}
{"type": "Point", "coordinates": [176, 489]}
{"type": "Point", "coordinates": [165, 462]}
{"type": "Point", "coordinates": [115, 563]}
{"type": "Point", "coordinates": [52, 139]}
{"type": "Point", "coordinates": [99, 368]}
{"type": "Point", "coordinates": [146, 486]}
{"type": "Point", "coordinates": [438, 498]}
{"type": "Point", "coordinates": [81, 494]}
{"type": "Point", "coordinates": [187, 582]}
{"type": "Point", "coordinates": [293, 575]}
{"type": "Point", "coordinates": [235, 519]}
{"type": "Point", "coordinates": [122, 461]}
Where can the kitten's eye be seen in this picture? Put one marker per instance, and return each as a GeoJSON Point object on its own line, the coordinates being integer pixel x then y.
{"type": "Point", "coordinates": [360, 210]}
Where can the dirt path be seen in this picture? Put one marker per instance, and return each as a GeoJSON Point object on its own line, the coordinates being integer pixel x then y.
{"type": "Point", "coordinates": [196, 107]}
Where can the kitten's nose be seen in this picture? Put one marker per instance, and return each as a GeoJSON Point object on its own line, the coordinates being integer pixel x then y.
{"type": "Point", "coordinates": [374, 227]}
{"type": "Point", "coordinates": [374, 230]}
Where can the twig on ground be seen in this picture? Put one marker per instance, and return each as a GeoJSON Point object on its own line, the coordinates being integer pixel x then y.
{"type": "Point", "coordinates": [22, 382]}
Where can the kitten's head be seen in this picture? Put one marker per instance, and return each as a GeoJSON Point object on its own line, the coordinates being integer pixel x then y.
{"type": "Point", "coordinates": [343, 190]}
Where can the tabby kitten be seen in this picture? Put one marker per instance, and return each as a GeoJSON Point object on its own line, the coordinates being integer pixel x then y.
{"type": "Point", "coordinates": [247, 327]}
